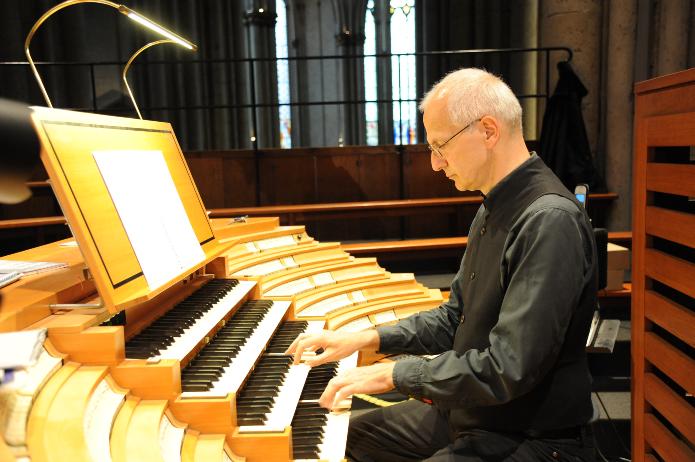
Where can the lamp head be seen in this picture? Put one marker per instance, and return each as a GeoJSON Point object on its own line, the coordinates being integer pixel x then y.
{"type": "Point", "coordinates": [137, 17]}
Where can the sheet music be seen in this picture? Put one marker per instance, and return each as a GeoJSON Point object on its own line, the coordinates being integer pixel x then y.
{"type": "Point", "coordinates": [152, 213]}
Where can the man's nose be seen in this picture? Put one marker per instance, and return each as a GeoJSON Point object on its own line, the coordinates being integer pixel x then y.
{"type": "Point", "coordinates": [437, 163]}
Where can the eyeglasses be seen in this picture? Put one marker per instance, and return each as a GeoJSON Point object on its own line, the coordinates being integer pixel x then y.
{"type": "Point", "coordinates": [437, 150]}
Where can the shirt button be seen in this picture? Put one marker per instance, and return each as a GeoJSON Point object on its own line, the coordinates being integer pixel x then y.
{"type": "Point", "coordinates": [472, 275]}
{"type": "Point", "coordinates": [482, 231]}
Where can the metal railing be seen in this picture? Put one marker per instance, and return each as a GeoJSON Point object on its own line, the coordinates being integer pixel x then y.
{"type": "Point", "coordinates": [252, 102]}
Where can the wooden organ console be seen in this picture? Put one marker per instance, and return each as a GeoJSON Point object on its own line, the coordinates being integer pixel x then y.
{"type": "Point", "coordinates": [191, 369]}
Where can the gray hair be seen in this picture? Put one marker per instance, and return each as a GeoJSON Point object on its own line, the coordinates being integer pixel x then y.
{"type": "Point", "coordinates": [474, 93]}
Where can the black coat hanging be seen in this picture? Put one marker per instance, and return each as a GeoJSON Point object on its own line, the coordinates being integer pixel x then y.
{"type": "Point", "coordinates": [564, 145]}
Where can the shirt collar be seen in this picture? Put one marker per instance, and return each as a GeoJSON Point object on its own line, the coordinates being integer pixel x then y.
{"type": "Point", "coordinates": [502, 195]}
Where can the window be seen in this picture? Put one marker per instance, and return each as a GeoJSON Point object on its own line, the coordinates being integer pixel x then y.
{"type": "Point", "coordinates": [401, 23]}
{"type": "Point", "coordinates": [283, 72]}
{"type": "Point", "coordinates": [370, 87]}
{"type": "Point", "coordinates": [402, 14]}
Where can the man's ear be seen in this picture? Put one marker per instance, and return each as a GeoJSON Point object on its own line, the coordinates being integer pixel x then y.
{"type": "Point", "coordinates": [492, 130]}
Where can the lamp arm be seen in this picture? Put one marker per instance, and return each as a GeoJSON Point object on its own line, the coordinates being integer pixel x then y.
{"type": "Point", "coordinates": [130, 61]}
{"type": "Point", "coordinates": [172, 37]}
{"type": "Point", "coordinates": [38, 24]}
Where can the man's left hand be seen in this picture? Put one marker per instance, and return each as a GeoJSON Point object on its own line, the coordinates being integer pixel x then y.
{"type": "Point", "coordinates": [377, 378]}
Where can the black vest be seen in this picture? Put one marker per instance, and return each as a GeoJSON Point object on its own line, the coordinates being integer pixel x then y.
{"type": "Point", "coordinates": [562, 398]}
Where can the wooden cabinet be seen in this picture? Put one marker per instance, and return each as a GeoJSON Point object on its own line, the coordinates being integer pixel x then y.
{"type": "Point", "coordinates": [663, 274]}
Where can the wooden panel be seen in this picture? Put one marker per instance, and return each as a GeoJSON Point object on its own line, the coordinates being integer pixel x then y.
{"type": "Point", "coordinates": [211, 415]}
{"type": "Point", "coordinates": [190, 440]}
{"type": "Point", "coordinates": [671, 225]}
{"type": "Point", "coordinates": [671, 178]}
{"type": "Point", "coordinates": [65, 438]}
{"type": "Point", "coordinates": [671, 129]}
{"type": "Point", "coordinates": [664, 116]}
{"type": "Point", "coordinates": [208, 174]}
{"type": "Point", "coordinates": [379, 175]}
{"type": "Point", "coordinates": [672, 271]}
{"type": "Point", "coordinates": [119, 429]}
{"type": "Point", "coordinates": [670, 448]}
{"type": "Point", "coordinates": [671, 316]}
{"type": "Point", "coordinates": [209, 448]}
{"type": "Point", "coordinates": [671, 361]}
{"type": "Point", "coordinates": [38, 419]}
{"type": "Point", "coordinates": [142, 441]}
{"type": "Point", "coordinates": [287, 180]}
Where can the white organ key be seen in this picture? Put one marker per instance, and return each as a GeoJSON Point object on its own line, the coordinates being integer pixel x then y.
{"type": "Point", "coordinates": [170, 440]}
{"type": "Point", "coordinates": [358, 297]}
{"type": "Point", "coordinates": [195, 334]}
{"type": "Point", "coordinates": [101, 411]}
{"type": "Point", "coordinates": [334, 436]}
{"type": "Point", "coordinates": [285, 402]}
{"type": "Point", "coordinates": [235, 373]}
{"type": "Point", "coordinates": [325, 306]}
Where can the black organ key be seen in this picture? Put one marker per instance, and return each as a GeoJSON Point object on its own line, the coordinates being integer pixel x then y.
{"type": "Point", "coordinates": [165, 331]}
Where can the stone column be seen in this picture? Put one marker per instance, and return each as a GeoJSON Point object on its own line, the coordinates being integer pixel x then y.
{"type": "Point", "coordinates": [672, 51]}
{"type": "Point", "coordinates": [524, 80]}
{"type": "Point", "coordinates": [618, 112]}
{"type": "Point", "coordinates": [576, 24]}
{"type": "Point", "coordinates": [259, 20]}
{"type": "Point", "coordinates": [350, 39]}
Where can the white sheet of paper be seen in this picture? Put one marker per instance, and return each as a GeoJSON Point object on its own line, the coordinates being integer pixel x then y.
{"type": "Point", "coordinates": [152, 213]}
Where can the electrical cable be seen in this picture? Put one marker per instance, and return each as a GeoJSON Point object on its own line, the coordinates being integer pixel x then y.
{"type": "Point", "coordinates": [615, 430]}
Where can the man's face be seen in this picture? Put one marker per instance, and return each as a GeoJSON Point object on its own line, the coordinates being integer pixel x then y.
{"type": "Point", "coordinates": [464, 158]}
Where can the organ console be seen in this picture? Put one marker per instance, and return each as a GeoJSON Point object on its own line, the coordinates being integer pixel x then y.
{"type": "Point", "coordinates": [191, 369]}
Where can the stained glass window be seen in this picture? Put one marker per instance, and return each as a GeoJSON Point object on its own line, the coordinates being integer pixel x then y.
{"type": "Point", "coordinates": [281, 52]}
{"type": "Point", "coordinates": [402, 44]}
{"type": "Point", "coordinates": [403, 71]}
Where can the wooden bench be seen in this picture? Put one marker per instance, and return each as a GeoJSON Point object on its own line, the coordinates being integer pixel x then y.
{"type": "Point", "coordinates": [302, 213]}
{"type": "Point", "coordinates": [380, 249]}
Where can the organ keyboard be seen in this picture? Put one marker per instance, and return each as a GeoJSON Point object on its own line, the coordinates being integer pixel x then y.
{"type": "Point", "coordinates": [192, 369]}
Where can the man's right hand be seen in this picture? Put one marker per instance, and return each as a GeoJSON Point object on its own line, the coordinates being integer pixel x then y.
{"type": "Point", "coordinates": [335, 345]}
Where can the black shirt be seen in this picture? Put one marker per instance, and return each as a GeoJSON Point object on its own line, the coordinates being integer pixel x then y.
{"type": "Point", "coordinates": [512, 334]}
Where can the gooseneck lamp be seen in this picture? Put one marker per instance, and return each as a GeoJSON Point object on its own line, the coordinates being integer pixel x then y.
{"type": "Point", "coordinates": [137, 17]}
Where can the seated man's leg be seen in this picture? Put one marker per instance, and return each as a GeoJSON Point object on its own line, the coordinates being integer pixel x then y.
{"type": "Point", "coordinates": [408, 431]}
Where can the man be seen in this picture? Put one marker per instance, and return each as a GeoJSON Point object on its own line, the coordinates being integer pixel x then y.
{"type": "Point", "coordinates": [511, 381]}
